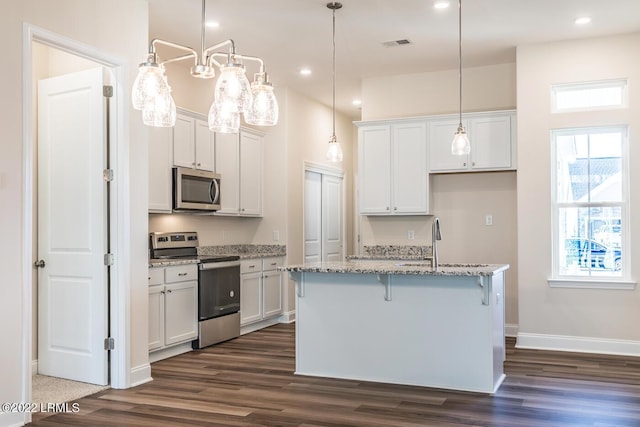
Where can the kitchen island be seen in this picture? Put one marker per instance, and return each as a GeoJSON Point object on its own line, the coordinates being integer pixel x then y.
{"type": "Point", "coordinates": [401, 322]}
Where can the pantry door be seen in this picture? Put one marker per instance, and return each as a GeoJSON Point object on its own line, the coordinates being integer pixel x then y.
{"type": "Point", "coordinates": [72, 227]}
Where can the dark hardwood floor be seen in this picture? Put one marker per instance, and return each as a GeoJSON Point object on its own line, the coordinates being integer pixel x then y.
{"type": "Point", "coordinates": [249, 381]}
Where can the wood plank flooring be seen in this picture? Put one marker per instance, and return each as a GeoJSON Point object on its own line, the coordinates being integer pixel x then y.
{"type": "Point", "coordinates": [249, 381]}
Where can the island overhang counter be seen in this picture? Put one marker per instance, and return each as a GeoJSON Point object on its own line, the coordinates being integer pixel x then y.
{"type": "Point", "coordinates": [401, 322]}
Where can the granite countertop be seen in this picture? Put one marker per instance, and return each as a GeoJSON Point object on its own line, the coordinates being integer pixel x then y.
{"type": "Point", "coordinates": [393, 252]}
{"type": "Point", "coordinates": [245, 251]}
{"type": "Point", "coordinates": [168, 262]}
{"type": "Point", "coordinates": [398, 267]}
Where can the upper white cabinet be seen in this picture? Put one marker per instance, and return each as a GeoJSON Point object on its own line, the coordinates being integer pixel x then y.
{"type": "Point", "coordinates": [239, 161]}
{"type": "Point", "coordinates": [492, 137]}
{"type": "Point", "coordinates": [160, 147]}
{"type": "Point", "coordinates": [393, 170]}
{"type": "Point", "coordinates": [193, 142]}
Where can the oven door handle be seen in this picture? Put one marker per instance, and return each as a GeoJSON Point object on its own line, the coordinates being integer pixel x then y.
{"type": "Point", "coordinates": [216, 265]}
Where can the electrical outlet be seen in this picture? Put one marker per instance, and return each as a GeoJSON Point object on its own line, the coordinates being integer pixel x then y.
{"type": "Point", "coordinates": [411, 235]}
{"type": "Point", "coordinates": [488, 220]}
{"type": "Point", "coordinates": [276, 235]}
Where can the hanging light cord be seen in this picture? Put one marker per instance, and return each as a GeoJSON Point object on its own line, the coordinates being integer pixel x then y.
{"type": "Point", "coordinates": [334, 70]}
{"type": "Point", "coordinates": [460, 55]}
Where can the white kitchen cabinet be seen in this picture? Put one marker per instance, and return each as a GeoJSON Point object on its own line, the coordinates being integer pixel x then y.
{"type": "Point", "coordinates": [260, 289]}
{"type": "Point", "coordinates": [173, 305]}
{"type": "Point", "coordinates": [492, 138]}
{"type": "Point", "coordinates": [193, 142]}
{"type": "Point", "coordinates": [393, 168]}
{"type": "Point", "coordinates": [239, 161]}
{"type": "Point", "coordinates": [160, 153]}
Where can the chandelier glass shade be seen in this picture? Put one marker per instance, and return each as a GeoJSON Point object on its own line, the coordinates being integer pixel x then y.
{"type": "Point", "coordinates": [233, 95]}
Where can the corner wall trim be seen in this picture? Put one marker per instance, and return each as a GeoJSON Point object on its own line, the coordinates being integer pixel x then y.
{"type": "Point", "coordinates": [140, 374]}
{"type": "Point", "coordinates": [511, 330]}
{"type": "Point", "coordinates": [578, 344]}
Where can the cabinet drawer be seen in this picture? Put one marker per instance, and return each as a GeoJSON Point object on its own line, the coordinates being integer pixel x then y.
{"type": "Point", "coordinates": [250, 266]}
{"type": "Point", "coordinates": [272, 263]}
{"type": "Point", "coordinates": [180, 273]}
{"type": "Point", "coordinates": [156, 276]}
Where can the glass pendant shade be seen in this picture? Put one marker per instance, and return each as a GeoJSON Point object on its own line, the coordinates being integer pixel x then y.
{"type": "Point", "coordinates": [263, 110]}
{"type": "Point", "coordinates": [160, 111]}
{"type": "Point", "coordinates": [334, 151]}
{"type": "Point", "coordinates": [460, 145]}
{"type": "Point", "coordinates": [149, 82]}
{"type": "Point", "coordinates": [224, 117]}
{"type": "Point", "coordinates": [233, 85]}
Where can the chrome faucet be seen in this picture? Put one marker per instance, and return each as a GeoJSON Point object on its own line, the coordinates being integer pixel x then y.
{"type": "Point", "coordinates": [435, 236]}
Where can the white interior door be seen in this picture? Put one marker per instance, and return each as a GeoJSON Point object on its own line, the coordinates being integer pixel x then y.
{"type": "Point", "coordinates": [323, 217]}
{"type": "Point", "coordinates": [331, 218]}
{"type": "Point", "coordinates": [312, 216]}
{"type": "Point", "coordinates": [72, 232]}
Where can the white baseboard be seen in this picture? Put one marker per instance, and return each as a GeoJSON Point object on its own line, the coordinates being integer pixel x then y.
{"type": "Point", "coordinates": [13, 419]}
{"type": "Point", "coordinates": [165, 353]}
{"type": "Point", "coordinates": [34, 367]}
{"type": "Point", "coordinates": [578, 344]}
{"type": "Point", "coordinates": [288, 317]}
{"type": "Point", "coordinates": [511, 330]}
{"type": "Point", "coordinates": [140, 374]}
{"type": "Point", "coordinates": [252, 327]}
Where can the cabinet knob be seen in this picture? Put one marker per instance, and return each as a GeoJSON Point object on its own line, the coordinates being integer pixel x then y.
{"type": "Point", "coordinates": [162, 292]}
{"type": "Point", "coordinates": [395, 208]}
{"type": "Point", "coordinates": [193, 164]}
{"type": "Point", "coordinates": [387, 207]}
{"type": "Point", "coordinates": [473, 164]}
{"type": "Point", "coordinates": [198, 164]}
{"type": "Point", "coordinates": [169, 290]}
{"type": "Point", "coordinates": [182, 274]}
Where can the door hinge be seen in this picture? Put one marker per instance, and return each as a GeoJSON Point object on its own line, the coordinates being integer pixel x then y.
{"type": "Point", "coordinates": [107, 174]}
{"type": "Point", "coordinates": [108, 259]}
{"type": "Point", "coordinates": [109, 344]}
{"type": "Point", "coordinates": [107, 91]}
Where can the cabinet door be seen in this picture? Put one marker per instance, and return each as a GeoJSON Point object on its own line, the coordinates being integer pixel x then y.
{"type": "Point", "coordinates": [204, 146]}
{"type": "Point", "coordinates": [181, 312]}
{"type": "Point", "coordinates": [160, 147]}
{"type": "Point", "coordinates": [156, 317]}
{"type": "Point", "coordinates": [251, 147]}
{"type": "Point", "coordinates": [441, 133]}
{"type": "Point", "coordinates": [271, 294]}
{"type": "Point", "coordinates": [250, 298]}
{"type": "Point", "coordinates": [374, 148]}
{"type": "Point", "coordinates": [410, 176]}
{"type": "Point", "coordinates": [490, 142]}
{"type": "Point", "coordinates": [184, 142]}
{"type": "Point", "coordinates": [228, 166]}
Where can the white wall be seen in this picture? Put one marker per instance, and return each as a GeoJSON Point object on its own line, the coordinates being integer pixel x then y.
{"type": "Point", "coordinates": [571, 317]}
{"type": "Point", "coordinates": [461, 201]}
{"type": "Point", "coordinates": [90, 22]}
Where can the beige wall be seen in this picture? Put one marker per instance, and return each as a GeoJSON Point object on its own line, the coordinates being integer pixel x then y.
{"type": "Point", "coordinates": [91, 23]}
{"type": "Point", "coordinates": [461, 201]}
{"type": "Point", "coordinates": [583, 313]}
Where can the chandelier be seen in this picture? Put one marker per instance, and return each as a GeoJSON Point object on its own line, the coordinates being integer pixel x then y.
{"type": "Point", "coordinates": [233, 94]}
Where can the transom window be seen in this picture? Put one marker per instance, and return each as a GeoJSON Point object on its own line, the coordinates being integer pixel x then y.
{"type": "Point", "coordinates": [589, 203]}
{"type": "Point", "coordinates": [589, 96]}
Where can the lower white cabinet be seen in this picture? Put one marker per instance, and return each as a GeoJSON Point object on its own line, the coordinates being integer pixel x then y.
{"type": "Point", "coordinates": [173, 305]}
{"type": "Point", "coordinates": [260, 289]}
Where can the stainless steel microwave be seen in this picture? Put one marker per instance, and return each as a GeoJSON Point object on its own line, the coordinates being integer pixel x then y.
{"type": "Point", "coordinates": [195, 190]}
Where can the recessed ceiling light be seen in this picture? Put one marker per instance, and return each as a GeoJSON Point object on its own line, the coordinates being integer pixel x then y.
{"type": "Point", "coordinates": [305, 71]}
{"type": "Point", "coordinates": [212, 24]}
{"type": "Point", "coordinates": [583, 20]}
{"type": "Point", "coordinates": [356, 102]}
{"type": "Point", "coordinates": [441, 4]}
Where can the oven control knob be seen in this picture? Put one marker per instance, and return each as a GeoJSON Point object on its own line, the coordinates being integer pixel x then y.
{"type": "Point", "coordinates": [231, 294]}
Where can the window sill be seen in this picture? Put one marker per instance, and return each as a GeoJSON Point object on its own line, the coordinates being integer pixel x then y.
{"type": "Point", "coordinates": [592, 284]}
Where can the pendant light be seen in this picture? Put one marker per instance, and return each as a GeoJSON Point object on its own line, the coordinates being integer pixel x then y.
{"type": "Point", "coordinates": [334, 151]}
{"type": "Point", "coordinates": [460, 145]}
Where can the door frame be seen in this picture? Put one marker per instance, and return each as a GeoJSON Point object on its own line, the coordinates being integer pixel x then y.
{"type": "Point", "coordinates": [325, 170]}
{"type": "Point", "coordinates": [119, 291]}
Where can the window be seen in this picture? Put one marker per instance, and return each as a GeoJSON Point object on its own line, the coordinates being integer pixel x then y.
{"type": "Point", "coordinates": [589, 203]}
{"type": "Point", "coordinates": [588, 96]}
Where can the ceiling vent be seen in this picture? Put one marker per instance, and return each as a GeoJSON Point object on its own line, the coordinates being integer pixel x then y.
{"type": "Point", "coordinates": [394, 43]}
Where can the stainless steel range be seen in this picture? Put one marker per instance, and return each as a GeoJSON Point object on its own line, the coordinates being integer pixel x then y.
{"type": "Point", "coordinates": [218, 285]}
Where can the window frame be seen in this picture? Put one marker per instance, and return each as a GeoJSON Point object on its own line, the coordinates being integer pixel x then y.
{"type": "Point", "coordinates": [600, 84]}
{"type": "Point", "coordinates": [621, 281]}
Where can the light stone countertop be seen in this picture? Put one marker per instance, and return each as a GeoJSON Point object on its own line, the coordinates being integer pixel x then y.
{"type": "Point", "coordinates": [397, 267]}
{"type": "Point", "coordinates": [169, 262]}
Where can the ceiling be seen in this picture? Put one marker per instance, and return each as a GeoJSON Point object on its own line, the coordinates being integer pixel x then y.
{"type": "Point", "coordinates": [291, 34]}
